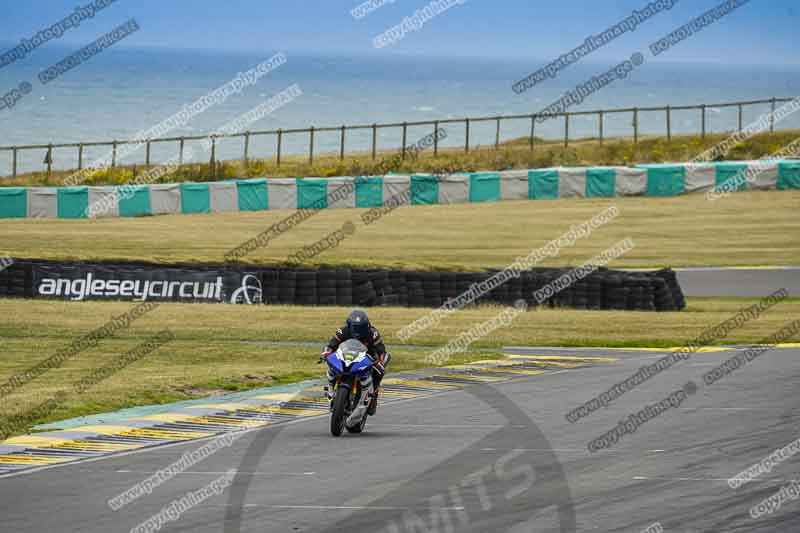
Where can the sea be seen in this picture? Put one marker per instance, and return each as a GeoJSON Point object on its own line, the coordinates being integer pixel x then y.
{"type": "Point", "coordinates": [125, 90]}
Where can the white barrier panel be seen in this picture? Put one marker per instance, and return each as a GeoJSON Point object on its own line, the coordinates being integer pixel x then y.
{"type": "Point", "coordinates": [103, 202]}
{"type": "Point", "coordinates": [282, 193]}
{"type": "Point", "coordinates": [397, 189]}
{"type": "Point", "coordinates": [571, 182]}
{"type": "Point", "coordinates": [42, 202]}
{"type": "Point", "coordinates": [223, 196]}
{"type": "Point", "coordinates": [454, 189]}
{"type": "Point", "coordinates": [701, 177]}
{"type": "Point", "coordinates": [165, 199]}
{"type": "Point", "coordinates": [346, 197]}
{"type": "Point", "coordinates": [765, 175]}
{"type": "Point", "coordinates": [631, 181]}
{"type": "Point", "coordinates": [514, 185]}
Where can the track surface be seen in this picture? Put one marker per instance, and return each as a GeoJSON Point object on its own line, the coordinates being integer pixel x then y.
{"type": "Point", "coordinates": [738, 281]}
{"type": "Point", "coordinates": [672, 470]}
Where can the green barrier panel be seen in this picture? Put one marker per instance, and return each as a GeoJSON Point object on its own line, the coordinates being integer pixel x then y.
{"type": "Point", "coordinates": [252, 195]}
{"type": "Point", "coordinates": [731, 171]}
{"type": "Point", "coordinates": [666, 180]}
{"type": "Point", "coordinates": [424, 190]}
{"type": "Point", "coordinates": [369, 191]}
{"type": "Point", "coordinates": [134, 201]}
{"type": "Point", "coordinates": [601, 183]}
{"type": "Point", "coordinates": [73, 202]}
{"type": "Point", "coordinates": [543, 184]}
{"type": "Point", "coordinates": [312, 194]}
{"type": "Point", "coordinates": [789, 175]}
{"type": "Point", "coordinates": [195, 198]}
{"type": "Point", "coordinates": [484, 187]}
{"type": "Point", "coordinates": [13, 202]}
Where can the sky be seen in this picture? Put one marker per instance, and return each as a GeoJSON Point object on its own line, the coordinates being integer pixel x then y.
{"type": "Point", "coordinates": [760, 32]}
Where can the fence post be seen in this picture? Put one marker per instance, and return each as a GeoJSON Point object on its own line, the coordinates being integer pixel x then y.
{"type": "Point", "coordinates": [497, 135]}
{"type": "Point", "coordinates": [80, 156]}
{"type": "Point", "coordinates": [180, 152]}
{"type": "Point", "coordinates": [405, 135]}
{"type": "Point", "coordinates": [14, 162]}
{"type": "Point", "coordinates": [466, 135]}
{"type": "Point", "coordinates": [566, 130]}
{"type": "Point", "coordinates": [772, 117]}
{"type": "Point", "coordinates": [533, 131]}
{"type": "Point", "coordinates": [703, 121]}
{"type": "Point", "coordinates": [635, 125]}
{"type": "Point", "coordinates": [280, 142]}
{"type": "Point", "coordinates": [341, 144]}
{"type": "Point", "coordinates": [669, 125]}
{"type": "Point", "coordinates": [435, 138]}
{"type": "Point", "coordinates": [147, 154]}
{"type": "Point", "coordinates": [113, 154]}
{"type": "Point", "coordinates": [600, 123]}
{"type": "Point", "coordinates": [374, 140]}
{"type": "Point", "coordinates": [311, 146]}
{"type": "Point", "coordinates": [49, 159]}
{"type": "Point", "coordinates": [741, 113]}
{"type": "Point", "coordinates": [246, 148]}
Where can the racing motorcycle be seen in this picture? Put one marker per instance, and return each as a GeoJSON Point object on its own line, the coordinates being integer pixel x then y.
{"type": "Point", "coordinates": [353, 388]}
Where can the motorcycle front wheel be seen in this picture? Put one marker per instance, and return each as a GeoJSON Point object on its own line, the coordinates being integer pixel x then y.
{"type": "Point", "coordinates": [339, 414]}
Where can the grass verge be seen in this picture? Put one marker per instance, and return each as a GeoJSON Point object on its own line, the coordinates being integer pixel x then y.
{"type": "Point", "coordinates": [218, 348]}
{"type": "Point", "coordinates": [751, 228]}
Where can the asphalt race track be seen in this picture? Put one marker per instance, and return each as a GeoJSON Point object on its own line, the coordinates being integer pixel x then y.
{"type": "Point", "coordinates": [498, 456]}
{"type": "Point", "coordinates": [744, 282]}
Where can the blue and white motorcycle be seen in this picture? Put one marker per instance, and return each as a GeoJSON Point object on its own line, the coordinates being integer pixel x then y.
{"type": "Point", "coordinates": [353, 388]}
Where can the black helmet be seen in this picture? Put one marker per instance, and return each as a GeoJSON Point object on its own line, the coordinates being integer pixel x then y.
{"type": "Point", "coordinates": [358, 322]}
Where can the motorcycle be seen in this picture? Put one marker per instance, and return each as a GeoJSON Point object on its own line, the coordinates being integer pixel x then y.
{"type": "Point", "coordinates": [353, 388]}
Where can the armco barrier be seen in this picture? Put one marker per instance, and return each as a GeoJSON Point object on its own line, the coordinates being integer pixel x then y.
{"type": "Point", "coordinates": [373, 191]}
{"type": "Point", "coordinates": [78, 281]}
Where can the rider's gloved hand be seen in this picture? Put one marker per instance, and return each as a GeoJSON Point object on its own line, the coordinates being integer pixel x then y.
{"type": "Point", "coordinates": [326, 351]}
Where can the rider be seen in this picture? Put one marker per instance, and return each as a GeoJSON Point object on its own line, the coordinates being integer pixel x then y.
{"type": "Point", "coordinates": [358, 327]}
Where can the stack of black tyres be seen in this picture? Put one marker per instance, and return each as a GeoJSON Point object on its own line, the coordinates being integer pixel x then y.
{"type": "Point", "coordinates": [397, 279]}
{"type": "Point", "coordinates": [671, 278]}
{"type": "Point", "coordinates": [615, 294]}
{"type": "Point", "coordinates": [449, 285]}
{"type": "Point", "coordinates": [326, 287]}
{"type": "Point", "coordinates": [363, 290]}
{"type": "Point", "coordinates": [344, 287]}
{"type": "Point", "coordinates": [287, 283]}
{"type": "Point", "coordinates": [306, 287]}
{"type": "Point", "coordinates": [663, 296]}
{"type": "Point", "coordinates": [416, 294]}
{"type": "Point", "coordinates": [432, 289]}
{"type": "Point", "coordinates": [270, 286]}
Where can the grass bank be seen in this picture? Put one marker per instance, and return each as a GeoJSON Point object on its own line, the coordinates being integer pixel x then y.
{"type": "Point", "coordinates": [745, 229]}
{"type": "Point", "coordinates": [218, 348]}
